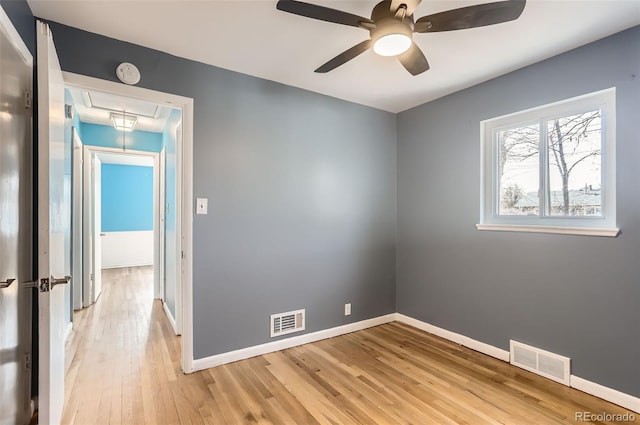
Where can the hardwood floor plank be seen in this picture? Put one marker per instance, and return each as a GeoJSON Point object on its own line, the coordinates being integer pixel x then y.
{"type": "Point", "coordinates": [123, 367]}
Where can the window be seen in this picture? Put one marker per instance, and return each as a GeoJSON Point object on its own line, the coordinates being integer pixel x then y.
{"type": "Point", "coordinates": [551, 169]}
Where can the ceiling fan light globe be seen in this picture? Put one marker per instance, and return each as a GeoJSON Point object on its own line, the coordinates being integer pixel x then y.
{"type": "Point", "coordinates": [392, 44]}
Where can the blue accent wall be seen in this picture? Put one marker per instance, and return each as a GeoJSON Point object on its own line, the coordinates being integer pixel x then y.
{"type": "Point", "coordinates": [127, 198]}
{"type": "Point", "coordinates": [106, 136]}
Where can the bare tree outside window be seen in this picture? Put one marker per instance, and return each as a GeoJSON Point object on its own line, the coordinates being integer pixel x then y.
{"type": "Point", "coordinates": [573, 149]}
{"type": "Point", "coordinates": [575, 154]}
{"type": "Point", "coordinates": [519, 169]}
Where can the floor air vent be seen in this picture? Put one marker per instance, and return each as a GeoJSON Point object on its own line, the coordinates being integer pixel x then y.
{"type": "Point", "coordinates": [549, 365]}
{"type": "Point", "coordinates": [286, 323]}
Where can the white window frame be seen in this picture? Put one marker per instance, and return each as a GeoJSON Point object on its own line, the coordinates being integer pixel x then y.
{"type": "Point", "coordinates": [604, 225]}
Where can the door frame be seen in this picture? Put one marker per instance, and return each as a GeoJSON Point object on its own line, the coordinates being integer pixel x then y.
{"type": "Point", "coordinates": [161, 202]}
{"type": "Point", "coordinates": [185, 202]}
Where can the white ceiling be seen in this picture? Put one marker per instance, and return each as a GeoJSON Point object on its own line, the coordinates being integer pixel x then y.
{"type": "Point", "coordinates": [252, 37]}
{"type": "Point", "coordinates": [96, 108]}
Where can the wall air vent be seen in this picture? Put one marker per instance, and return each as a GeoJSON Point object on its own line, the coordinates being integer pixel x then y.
{"type": "Point", "coordinates": [541, 362]}
{"type": "Point", "coordinates": [286, 323]}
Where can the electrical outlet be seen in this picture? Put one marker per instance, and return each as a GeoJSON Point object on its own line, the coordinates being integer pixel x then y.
{"type": "Point", "coordinates": [201, 205]}
{"type": "Point", "coordinates": [347, 309]}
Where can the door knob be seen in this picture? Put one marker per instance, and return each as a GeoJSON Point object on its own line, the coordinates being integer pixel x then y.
{"type": "Point", "coordinates": [45, 285]}
{"type": "Point", "coordinates": [6, 283]}
{"type": "Point", "coordinates": [53, 281]}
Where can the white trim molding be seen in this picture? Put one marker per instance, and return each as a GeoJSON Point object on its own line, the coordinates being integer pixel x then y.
{"type": "Point", "coordinates": [558, 230]}
{"type": "Point", "coordinates": [614, 396]}
{"type": "Point", "coordinates": [609, 394]}
{"type": "Point", "coordinates": [185, 305]}
{"type": "Point", "coordinates": [14, 37]}
{"type": "Point", "coordinates": [283, 344]}
{"type": "Point", "coordinates": [172, 320]}
{"type": "Point", "coordinates": [67, 332]}
{"type": "Point", "coordinates": [479, 346]}
{"type": "Point", "coordinates": [604, 215]}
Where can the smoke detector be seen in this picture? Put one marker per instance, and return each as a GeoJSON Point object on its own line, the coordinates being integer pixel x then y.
{"type": "Point", "coordinates": [128, 73]}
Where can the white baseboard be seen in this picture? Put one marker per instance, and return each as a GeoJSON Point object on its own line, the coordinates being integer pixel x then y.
{"type": "Point", "coordinates": [170, 317]}
{"type": "Point", "coordinates": [614, 396]}
{"type": "Point", "coordinates": [482, 347]}
{"type": "Point", "coordinates": [67, 332]}
{"type": "Point", "coordinates": [270, 347]}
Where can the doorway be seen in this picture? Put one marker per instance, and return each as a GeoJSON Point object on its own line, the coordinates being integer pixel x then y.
{"type": "Point", "coordinates": [122, 216]}
{"type": "Point", "coordinates": [171, 233]}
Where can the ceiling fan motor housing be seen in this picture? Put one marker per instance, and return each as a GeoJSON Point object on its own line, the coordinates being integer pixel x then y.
{"type": "Point", "coordinates": [387, 22]}
{"type": "Point", "coordinates": [392, 25]}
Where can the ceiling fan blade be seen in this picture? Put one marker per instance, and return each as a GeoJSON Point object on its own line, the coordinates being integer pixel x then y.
{"type": "Point", "coordinates": [413, 60]}
{"type": "Point", "coordinates": [345, 56]}
{"type": "Point", "coordinates": [471, 17]}
{"type": "Point", "coordinates": [322, 13]}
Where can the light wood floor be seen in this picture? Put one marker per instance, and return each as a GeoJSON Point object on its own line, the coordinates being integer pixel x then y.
{"type": "Point", "coordinates": [124, 368]}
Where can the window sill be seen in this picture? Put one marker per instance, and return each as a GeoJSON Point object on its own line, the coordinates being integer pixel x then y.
{"type": "Point", "coordinates": [584, 231]}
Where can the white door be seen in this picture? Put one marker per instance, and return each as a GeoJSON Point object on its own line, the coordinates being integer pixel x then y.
{"type": "Point", "coordinates": [96, 240]}
{"type": "Point", "coordinates": [16, 70]}
{"type": "Point", "coordinates": [51, 229]}
{"type": "Point", "coordinates": [87, 229]}
{"type": "Point", "coordinates": [76, 222]}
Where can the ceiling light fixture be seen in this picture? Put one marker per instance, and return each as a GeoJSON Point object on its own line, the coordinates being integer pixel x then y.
{"type": "Point", "coordinates": [392, 45]}
{"type": "Point", "coordinates": [124, 122]}
{"type": "Point", "coordinates": [391, 37]}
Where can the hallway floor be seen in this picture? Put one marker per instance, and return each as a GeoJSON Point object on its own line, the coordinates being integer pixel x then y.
{"type": "Point", "coordinates": [121, 355]}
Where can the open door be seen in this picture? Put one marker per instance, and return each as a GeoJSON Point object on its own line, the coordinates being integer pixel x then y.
{"type": "Point", "coordinates": [51, 227]}
{"type": "Point", "coordinates": [96, 231]}
{"type": "Point", "coordinates": [76, 221]}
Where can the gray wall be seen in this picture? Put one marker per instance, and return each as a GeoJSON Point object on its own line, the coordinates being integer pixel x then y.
{"type": "Point", "coordinates": [301, 192]}
{"type": "Point", "coordinates": [21, 17]}
{"type": "Point", "coordinates": [574, 295]}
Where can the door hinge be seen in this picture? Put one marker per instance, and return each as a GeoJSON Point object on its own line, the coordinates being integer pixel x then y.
{"type": "Point", "coordinates": [182, 254]}
{"type": "Point", "coordinates": [91, 277]}
{"type": "Point", "coordinates": [68, 111]}
{"type": "Point", "coordinates": [44, 285]}
{"type": "Point", "coordinates": [28, 99]}
{"type": "Point", "coordinates": [27, 361]}
{"type": "Point", "coordinates": [41, 284]}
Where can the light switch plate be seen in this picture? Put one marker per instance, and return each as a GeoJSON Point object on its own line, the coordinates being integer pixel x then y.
{"type": "Point", "coordinates": [347, 309]}
{"type": "Point", "coordinates": [201, 205]}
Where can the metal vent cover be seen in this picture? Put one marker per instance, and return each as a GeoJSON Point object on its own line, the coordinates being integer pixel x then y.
{"type": "Point", "coordinates": [286, 323]}
{"type": "Point", "coordinates": [541, 362]}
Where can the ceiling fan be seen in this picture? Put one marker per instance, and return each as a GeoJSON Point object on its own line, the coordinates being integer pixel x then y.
{"type": "Point", "coordinates": [392, 25]}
